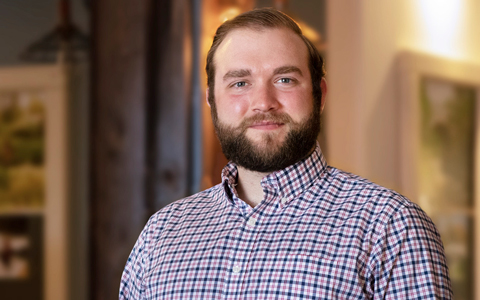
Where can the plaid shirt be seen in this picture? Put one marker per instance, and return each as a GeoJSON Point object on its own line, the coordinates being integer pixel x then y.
{"type": "Point", "coordinates": [319, 233]}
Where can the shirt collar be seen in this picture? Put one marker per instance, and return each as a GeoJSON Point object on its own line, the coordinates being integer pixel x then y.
{"type": "Point", "coordinates": [288, 182]}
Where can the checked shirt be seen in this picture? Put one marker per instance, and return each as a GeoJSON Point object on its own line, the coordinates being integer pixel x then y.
{"type": "Point", "coordinates": [319, 233]}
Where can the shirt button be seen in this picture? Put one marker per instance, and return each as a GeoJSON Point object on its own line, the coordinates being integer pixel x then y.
{"type": "Point", "coordinates": [252, 221]}
{"type": "Point", "coordinates": [284, 200]}
{"type": "Point", "coordinates": [236, 269]}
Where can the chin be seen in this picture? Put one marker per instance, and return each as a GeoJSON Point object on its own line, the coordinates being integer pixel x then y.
{"type": "Point", "coordinates": [268, 138]}
{"type": "Point", "coordinates": [268, 143]}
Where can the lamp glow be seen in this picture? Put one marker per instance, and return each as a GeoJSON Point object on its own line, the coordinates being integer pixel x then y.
{"type": "Point", "coordinates": [441, 21]}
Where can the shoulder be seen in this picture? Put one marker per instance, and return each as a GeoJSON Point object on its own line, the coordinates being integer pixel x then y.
{"type": "Point", "coordinates": [150, 238]}
{"type": "Point", "coordinates": [195, 204]}
{"type": "Point", "coordinates": [359, 193]}
{"type": "Point", "coordinates": [380, 210]}
{"type": "Point", "coordinates": [186, 207]}
{"type": "Point", "coordinates": [397, 235]}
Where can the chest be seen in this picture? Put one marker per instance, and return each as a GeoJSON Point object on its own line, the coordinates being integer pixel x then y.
{"type": "Point", "coordinates": [289, 255]}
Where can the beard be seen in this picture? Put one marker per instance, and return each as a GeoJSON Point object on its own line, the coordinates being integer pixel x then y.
{"type": "Point", "coordinates": [269, 154]}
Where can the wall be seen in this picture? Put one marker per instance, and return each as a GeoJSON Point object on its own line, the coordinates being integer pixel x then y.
{"type": "Point", "coordinates": [23, 22]}
{"type": "Point", "coordinates": [442, 27]}
{"type": "Point", "coordinates": [365, 38]}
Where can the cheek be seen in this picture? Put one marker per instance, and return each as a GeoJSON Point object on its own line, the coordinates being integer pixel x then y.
{"type": "Point", "coordinates": [232, 108]}
{"type": "Point", "coordinates": [298, 105]}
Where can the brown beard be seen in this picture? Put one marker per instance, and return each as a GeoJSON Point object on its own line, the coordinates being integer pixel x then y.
{"type": "Point", "coordinates": [269, 156]}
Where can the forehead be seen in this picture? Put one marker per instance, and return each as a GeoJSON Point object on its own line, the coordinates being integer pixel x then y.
{"type": "Point", "coordinates": [260, 49]}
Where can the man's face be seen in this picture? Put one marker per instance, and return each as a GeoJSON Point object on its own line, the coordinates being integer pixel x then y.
{"type": "Point", "coordinates": [264, 112]}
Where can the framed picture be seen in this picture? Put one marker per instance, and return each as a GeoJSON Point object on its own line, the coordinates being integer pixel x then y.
{"type": "Point", "coordinates": [439, 164]}
{"type": "Point", "coordinates": [33, 182]}
{"type": "Point", "coordinates": [21, 252]}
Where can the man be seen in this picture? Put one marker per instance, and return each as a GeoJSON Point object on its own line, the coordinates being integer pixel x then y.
{"type": "Point", "coordinates": [282, 224]}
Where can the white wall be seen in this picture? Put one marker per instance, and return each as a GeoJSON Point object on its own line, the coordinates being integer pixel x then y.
{"type": "Point", "coordinates": [365, 38]}
{"type": "Point", "coordinates": [442, 27]}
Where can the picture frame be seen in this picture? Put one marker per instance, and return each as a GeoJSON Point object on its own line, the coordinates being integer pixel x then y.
{"type": "Point", "coordinates": [21, 252]}
{"type": "Point", "coordinates": [39, 88]}
{"type": "Point", "coordinates": [439, 168]}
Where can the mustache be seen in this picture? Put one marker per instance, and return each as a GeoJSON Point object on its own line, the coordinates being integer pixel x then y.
{"type": "Point", "coordinates": [266, 117]}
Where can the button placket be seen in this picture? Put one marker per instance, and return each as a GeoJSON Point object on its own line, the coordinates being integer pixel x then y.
{"type": "Point", "coordinates": [239, 256]}
{"type": "Point", "coordinates": [236, 269]}
{"type": "Point", "coordinates": [252, 221]}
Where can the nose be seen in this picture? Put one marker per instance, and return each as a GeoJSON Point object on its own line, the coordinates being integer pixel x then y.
{"type": "Point", "coordinates": [264, 99]}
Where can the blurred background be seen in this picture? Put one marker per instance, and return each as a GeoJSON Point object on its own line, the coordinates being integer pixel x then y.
{"type": "Point", "coordinates": [103, 122]}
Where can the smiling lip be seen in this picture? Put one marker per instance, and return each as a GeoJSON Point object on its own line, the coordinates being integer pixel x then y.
{"type": "Point", "coordinates": [266, 125]}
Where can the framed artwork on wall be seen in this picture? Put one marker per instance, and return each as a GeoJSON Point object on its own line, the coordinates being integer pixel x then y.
{"type": "Point", "coordinates": [33, 183]}
{"type": "Point", "coordinates": [439, 160]}
{"type": "Point", "coordinates": [21, 252]}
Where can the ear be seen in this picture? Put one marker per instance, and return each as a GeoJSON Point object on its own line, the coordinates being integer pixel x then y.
{"type": "Point", "coordinates": [323, 87]}
{"type": "Point", "coordinates": [206, 96]}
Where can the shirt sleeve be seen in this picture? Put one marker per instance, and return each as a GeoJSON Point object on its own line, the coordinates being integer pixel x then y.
{"type": "Point", "coordinates": [131, 286]}
{"type": "Point", "coordinates": [409, 260]}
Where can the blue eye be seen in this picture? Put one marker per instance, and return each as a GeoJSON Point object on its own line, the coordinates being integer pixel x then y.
{"type": "Point", "coordinates": [285, 80]}
{"type": "Point", "coordinates": [240, 84]}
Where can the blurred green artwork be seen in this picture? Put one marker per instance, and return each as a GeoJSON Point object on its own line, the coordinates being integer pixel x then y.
{"type": "Point", "coordinates": [22, 151]}
{"type": "Point", "coordinates": [446, 173]}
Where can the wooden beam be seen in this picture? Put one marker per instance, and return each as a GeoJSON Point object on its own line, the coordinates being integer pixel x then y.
{"type": "Point", "coordinates": [119, 90]}
{"type": "Point", "coordinates": [169, 115]}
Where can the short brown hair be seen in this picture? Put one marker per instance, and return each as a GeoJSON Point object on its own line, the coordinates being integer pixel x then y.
{"type": "Point", "coordinates": [258, 19]}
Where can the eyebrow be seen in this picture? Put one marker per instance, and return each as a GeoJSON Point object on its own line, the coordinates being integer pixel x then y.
{"type": "Point", "coordinates": [246, 72]}
{"type": "Point", "coordinates": [236, 74]}
{"type": "Point", "coordinates": [287, 69]}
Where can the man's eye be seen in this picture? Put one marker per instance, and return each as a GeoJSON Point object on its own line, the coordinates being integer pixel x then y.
{"type": "Point", "coordinates": [239, 84]}
{"type": "Point", "coordinates": [285, 80]}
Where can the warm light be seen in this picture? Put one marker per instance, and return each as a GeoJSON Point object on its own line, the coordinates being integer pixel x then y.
{"type": "Point", "coordinates": [442, 20]}
{"type": "Point", "coordinates": [309, 32]}
{"type": "Point", "coordinates": [229, 14]}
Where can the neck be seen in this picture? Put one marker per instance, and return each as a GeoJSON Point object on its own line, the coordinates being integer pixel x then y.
{"type": "Point", "coordinates": [249, 188]}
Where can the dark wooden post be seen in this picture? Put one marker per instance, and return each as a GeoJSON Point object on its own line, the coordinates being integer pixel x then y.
{"type": "Point", "coordinates": [141, 120]}
{"type": "Point", "coordinates": [169, 115]}
{"type": "Point", "coordinates": [119, 91]}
